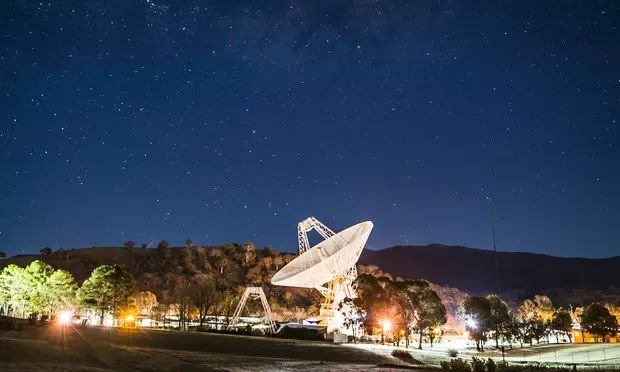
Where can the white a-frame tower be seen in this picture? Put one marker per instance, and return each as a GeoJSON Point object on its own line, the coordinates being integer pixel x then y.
{"type": "Point", "coordinates": [253, 293]}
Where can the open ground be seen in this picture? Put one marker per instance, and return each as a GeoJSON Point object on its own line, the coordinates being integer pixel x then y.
{"type": "Point", "coordinates": [50, 348]}
{"type": "Point", "coordinates": [581, 355]}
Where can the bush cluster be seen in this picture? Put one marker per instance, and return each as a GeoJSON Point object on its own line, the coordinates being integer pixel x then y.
{"type": "Point", "coordinates": [9, 324]}
{"type": "Point", "coordinates": [480, 365]}
{"type": "Point", "coordinates": [453, 353]}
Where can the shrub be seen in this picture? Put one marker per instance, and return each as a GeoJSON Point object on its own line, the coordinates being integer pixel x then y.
{"type": "Point", "coordinates": [477, 365]}
{"type": "Point", "coordinates": [9, 324]}
{"type": "Point", "coordinates": [453, 353]}
{"type": "Point", "coordinates": [459, 365]}
{"type": "Point", "coordinates": [491, 366]}
{"type": "Point", "coordinates": [445, 366]}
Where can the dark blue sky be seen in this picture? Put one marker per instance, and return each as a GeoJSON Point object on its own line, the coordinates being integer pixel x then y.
{"type": "Point", "coordinates": [231, 121]}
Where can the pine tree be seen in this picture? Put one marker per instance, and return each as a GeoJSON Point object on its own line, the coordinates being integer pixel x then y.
{"type": "Point", "coordinates": [109, 289]}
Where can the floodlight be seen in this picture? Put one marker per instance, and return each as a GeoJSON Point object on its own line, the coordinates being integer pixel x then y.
{"type": "Point", "coordinates": [471, 323]}
{"type": "Point", "coordinates": [65, 317]}
{"type": "Point", "coordinates": [386, 324]}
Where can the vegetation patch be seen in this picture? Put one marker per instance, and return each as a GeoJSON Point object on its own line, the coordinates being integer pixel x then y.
{"type": "Point", "coordinates": [453, 353]}
{"type": "Point", "coordinates": [405, 356]}
{"type": "Point", "coordinates": [480, 365]}
{"type": "Point", "coordinates": [9, 324]}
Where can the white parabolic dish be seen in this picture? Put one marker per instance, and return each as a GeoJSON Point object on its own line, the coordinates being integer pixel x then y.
{"type": "Point", "coordinates": [327, 260]}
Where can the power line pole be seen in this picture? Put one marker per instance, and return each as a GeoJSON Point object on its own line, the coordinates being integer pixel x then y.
{"type": "Point", "coordinates": [492, 212]}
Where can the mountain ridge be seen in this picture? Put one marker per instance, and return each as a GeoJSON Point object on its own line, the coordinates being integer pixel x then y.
{"type": "Point", "coordinates": [488, 250]}
{"type": "Point", "coordinates": [473, 269]}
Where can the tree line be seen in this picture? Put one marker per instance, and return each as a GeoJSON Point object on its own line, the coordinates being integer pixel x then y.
{"type": "Point", "coordinates": [40, 291]}
{"type": "Point", "coordinates": [176, 274]}
{"type": "Point", "coordinates": [195, 282]}
{"type": "Point", "coordinates": [407, 306]}
{"type": "Point", "coordinates": [36, 289]}
{"type": "Point", "coordinates": [536, 319]}
{"type": "Point", "coordinates": [414, 308]}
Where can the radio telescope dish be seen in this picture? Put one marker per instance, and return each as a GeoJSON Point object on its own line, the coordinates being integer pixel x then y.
{"type": "Point", "coordinates": [329, 266]}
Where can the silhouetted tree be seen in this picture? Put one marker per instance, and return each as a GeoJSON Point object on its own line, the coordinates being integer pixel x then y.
{"type": "Point", "coordinates": [164, 248]}
{"type": "Point", "coordinates": [499, 317]}
{"type": "Point", "coordinates": [534, 317]}
{"type": "Point", "coordinates": [2, 254]}
{"type": "Point", "coordinates": [421, 308]}
{"type": "Point", "coordinates": [129, 245]}
{"type": "Point", "coordinates": [204, 296]}
{"type": "Point", "coordinates": [351, 314]}
{"type": "Point", "coordinates": [146, 301]}
{"type": "Point", "coordinates": [562, 323]}
{"type": "Point", "coordinates": [181, 297]}
{"type": "Point", "coordinates": [597, 320]}
{"type": "Point", "coordinates": [378, 298]}
{"type": "Point", "coordinates": [46, 251]}
{"type": "Point", "coordinates": [108, 289]}
{"type": "Point", "coordinates": [249, 255]}
{"type": "Point", "coordinates": [163, 245]}
{"type": "Point", "coordinates": [189, 243]}
{"type": "Point", "coordinates": [267, 250]}
{"type": "Point", "coordinates": [476, 313]}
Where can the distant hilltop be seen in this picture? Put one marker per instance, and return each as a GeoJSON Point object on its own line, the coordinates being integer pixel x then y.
{"type": "Point", "coordinates": [565, 280]}
{"type": "Point", "coordinates": [473, 270]}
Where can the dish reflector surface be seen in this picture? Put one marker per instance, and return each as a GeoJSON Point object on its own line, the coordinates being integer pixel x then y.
{"type": "Point", "coordinates": [327, 260]}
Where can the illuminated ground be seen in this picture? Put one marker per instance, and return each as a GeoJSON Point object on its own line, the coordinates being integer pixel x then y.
{"type": "Point", "coordinates": [45, 348]}
{"type": "Point", "coordinates": [561, 354]}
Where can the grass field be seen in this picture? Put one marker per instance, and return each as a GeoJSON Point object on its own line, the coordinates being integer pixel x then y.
{"type": "Point", "coordinates": [582, 355]}
{"type": "Point", "coordinates": [49, 348]}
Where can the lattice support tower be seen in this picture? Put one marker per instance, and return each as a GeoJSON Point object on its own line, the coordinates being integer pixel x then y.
{"type": "Point", "coordinates": [335, 290]}
{"type": "Point", "coordinates": [253, 293]}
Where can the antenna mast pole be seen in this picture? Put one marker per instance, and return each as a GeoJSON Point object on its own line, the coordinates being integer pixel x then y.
{"type": "Point", "coordinates": [492, 206]}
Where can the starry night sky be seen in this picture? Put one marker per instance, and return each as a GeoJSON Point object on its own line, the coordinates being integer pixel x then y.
{"type": "Point", "coordinates": [226, 121]}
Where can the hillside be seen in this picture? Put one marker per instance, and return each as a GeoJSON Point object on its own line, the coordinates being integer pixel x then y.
{"type": "Point", "coordinates": [232, 267]}
{"type": "Point", "coordinates": [473, 270]}
{"type": "Point", "coordinates": [168, 271]}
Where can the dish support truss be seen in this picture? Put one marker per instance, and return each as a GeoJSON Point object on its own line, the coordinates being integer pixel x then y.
{"type": "Point", "coordinates": [334, 291]}
{"type": "Point", "coordinates": [253, 293]}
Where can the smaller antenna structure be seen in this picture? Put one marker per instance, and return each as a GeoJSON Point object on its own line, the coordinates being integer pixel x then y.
{"type": "Point", "coordinates": [253, 293]}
